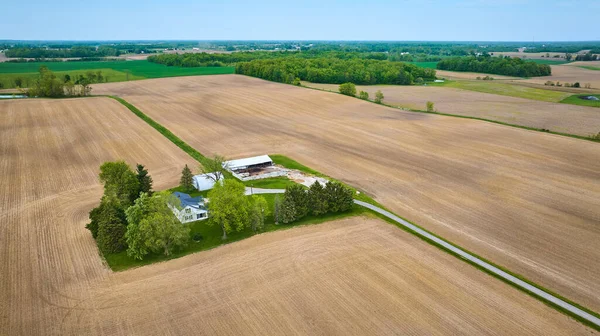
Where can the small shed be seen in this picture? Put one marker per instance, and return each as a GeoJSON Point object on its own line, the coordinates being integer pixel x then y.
{"type": "Point", "coordinates": [250, 163]}
{"type": "Point", "coordinates": [205, 181]}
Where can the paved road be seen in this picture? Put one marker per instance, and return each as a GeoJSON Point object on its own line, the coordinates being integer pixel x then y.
{"type": "Point", "coordinates": [493, 269]}
{"type": "Point", "coordinates": [251, 191]}
{"type": "Point", "coordinates": [487, 266]}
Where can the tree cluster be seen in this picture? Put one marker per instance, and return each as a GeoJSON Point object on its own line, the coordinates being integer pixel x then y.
{"type": "Point", "coordinates": [297, 202]}
{"type": "Point", "coordinates": [122, 186]}
{"type": "Point", "coordinates": [75, 51]}
{"type": "Point", "coordinates": [49, 85]}
{"type": "Point", "coordinates": [232, 210]}
{"type": "Point", "coordinates": [587, 57]}
{"type": "Point", "coordinates": [495, 65]}
{"type": "Point", "coordinates": [334, 71]}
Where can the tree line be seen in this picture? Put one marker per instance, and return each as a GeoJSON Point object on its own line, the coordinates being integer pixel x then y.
{"type": "Point", "coordinates": [495, 65]}
{"type": "Point", "coordinates": [334, 71]}
{"type": "Point", "coordinates": [75, 51]}
{"type": "Point", "coordinates": [298, 203]}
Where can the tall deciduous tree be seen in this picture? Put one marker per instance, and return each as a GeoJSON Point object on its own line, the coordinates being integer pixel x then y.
{"type": "Point", "coordinates": [215, 167]}
{"type": "Point", "coordinates": [258, 211]}
{"type": "Point", "coordinates": [187, 179]}
{"type": "Point", "coordinates": [152, 227]}
{"type": "Point", "coordinates": [228, 206]}
{"type": "Point", "coordinates": [119, 181]}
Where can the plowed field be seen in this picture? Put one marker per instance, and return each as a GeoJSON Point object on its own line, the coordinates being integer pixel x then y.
{"type": "Point", "coordinates": [526, 200]}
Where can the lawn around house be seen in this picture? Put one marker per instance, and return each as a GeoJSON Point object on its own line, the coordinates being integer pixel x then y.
{"type": "Point", "coordinates": [212, 234]}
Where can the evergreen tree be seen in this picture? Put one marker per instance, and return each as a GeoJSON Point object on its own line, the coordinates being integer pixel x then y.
{"type": "Point", "coordinates": [299, 197]}
{"type": "Point", "coordinates": [111, 227]}
{"type": "Point", "coordinates": [287, 212]}
{"type": "Point", "coordinates": [187, 179]}
{"type": "Point", "coordinates": [144, 179]}
{"type": "Point", "coordinates": [318, 199]}
{"type": "Point", "coordinates": [339, 197]}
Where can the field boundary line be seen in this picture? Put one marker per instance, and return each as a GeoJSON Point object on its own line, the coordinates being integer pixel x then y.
{"type": "Point", "coordinates": [568, 307]}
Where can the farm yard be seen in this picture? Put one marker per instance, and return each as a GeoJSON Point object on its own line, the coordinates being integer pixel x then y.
{"type": "Point", "coordinates": [50, 152]}
{"type": "Point", "coordinates": [494, 184]}
{"type": "Point", "coordinates": [462, 98]}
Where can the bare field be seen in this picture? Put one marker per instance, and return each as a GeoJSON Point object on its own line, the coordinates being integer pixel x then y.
{"type": "Point", "coordinates": [468, 75]}
{"type": "Point", "coordinates": [50, 153]}
{"type": "Point", "coordinates": [526, 200]}
{"type": "Point", "coordinates": [351, 277]}
{"type": "Point", "coordinates": [564, 118]}
{"type": "Point", "coordinates": [539, 55]}
{"type": "Point", "coordinates": [356, 276]}
{"type": "Point", "coordinates": [570, 73]}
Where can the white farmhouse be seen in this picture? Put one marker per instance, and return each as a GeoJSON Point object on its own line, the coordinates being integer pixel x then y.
{"type": "Point", "coordinates": [186, 208]}
{"type": "Point", "coordinates": [205, 181]}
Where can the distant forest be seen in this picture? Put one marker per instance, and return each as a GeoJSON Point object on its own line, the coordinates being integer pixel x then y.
{"type": "Point", "coordinates": [335, 71]}
{"type": "Point", "coordinates": [76, 51]}
{"type": "Point", "coordinates": [495, 65]}
{"type": "Point", "coordinates": [221, 59]}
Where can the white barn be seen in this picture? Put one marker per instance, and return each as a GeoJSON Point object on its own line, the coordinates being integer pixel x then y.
{"type": "Point", "coordinates": [186, 208]}
{"type": "Point", "coordinates": [205, 181]}
{"type": "Point", "coordinates": [248, 163]}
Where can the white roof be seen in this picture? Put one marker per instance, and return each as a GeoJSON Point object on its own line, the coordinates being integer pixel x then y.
{"type": "Point", "coordinates": [203, 182]}
{"type": "Point", "coordinates": [243, 163]}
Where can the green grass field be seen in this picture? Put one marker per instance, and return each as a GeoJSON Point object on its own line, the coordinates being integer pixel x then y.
{"type": "Point", "coordinates": [548, 61]}
{"type": "Point", "coordinates": [507, 90]}
{"type": "Point", "coordinates": [589, 67]}
{"type": "Point", "coordinates": [575, 100]}
{"type": "Point", "coordinates": [429, 65]}
{"type": "Point", "coordinates": [115, 70]}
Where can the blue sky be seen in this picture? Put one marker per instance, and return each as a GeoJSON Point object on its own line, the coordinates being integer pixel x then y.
{"type": "Point", "coordinates": [457, 20]}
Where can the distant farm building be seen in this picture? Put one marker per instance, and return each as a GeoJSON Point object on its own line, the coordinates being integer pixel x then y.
{"type": "Point", "coordinates": [205, 181]}
{"type": "Point", "coordinates": [186, 208]}
{"type": "Point", "coordinates": [253, 168]}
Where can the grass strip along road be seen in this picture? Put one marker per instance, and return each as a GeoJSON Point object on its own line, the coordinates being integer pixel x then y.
{"type": "Point", "coordinates": [561, 304]}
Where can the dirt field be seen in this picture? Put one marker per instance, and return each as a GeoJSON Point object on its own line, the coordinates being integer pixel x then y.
{"type": "Point", "coordinates": [531, 55]}
{"type": "Point", "coordinates": [357, 276]}
{"type": "Point", "coordinates": [526, 200]}
{"type": "Point", "coordinates": [50, 151]}
{"type": "Point", "coordinates": [565, 118]}
{"type": "Point", "coordinates": [569, 73]}
{"type": "Point", "coordinates": [468, 75]}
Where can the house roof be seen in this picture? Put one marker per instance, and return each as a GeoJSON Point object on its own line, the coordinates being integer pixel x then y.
{"type": "Point", "coordinates": [243, 163]}
{"type": "Point", "coordinates": [187, 200]}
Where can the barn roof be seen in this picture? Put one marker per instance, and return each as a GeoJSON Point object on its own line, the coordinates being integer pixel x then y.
{"type": "Point", "coordinates": [242, 163]}
{"type": "Point", "coordinates": [204, 182]}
